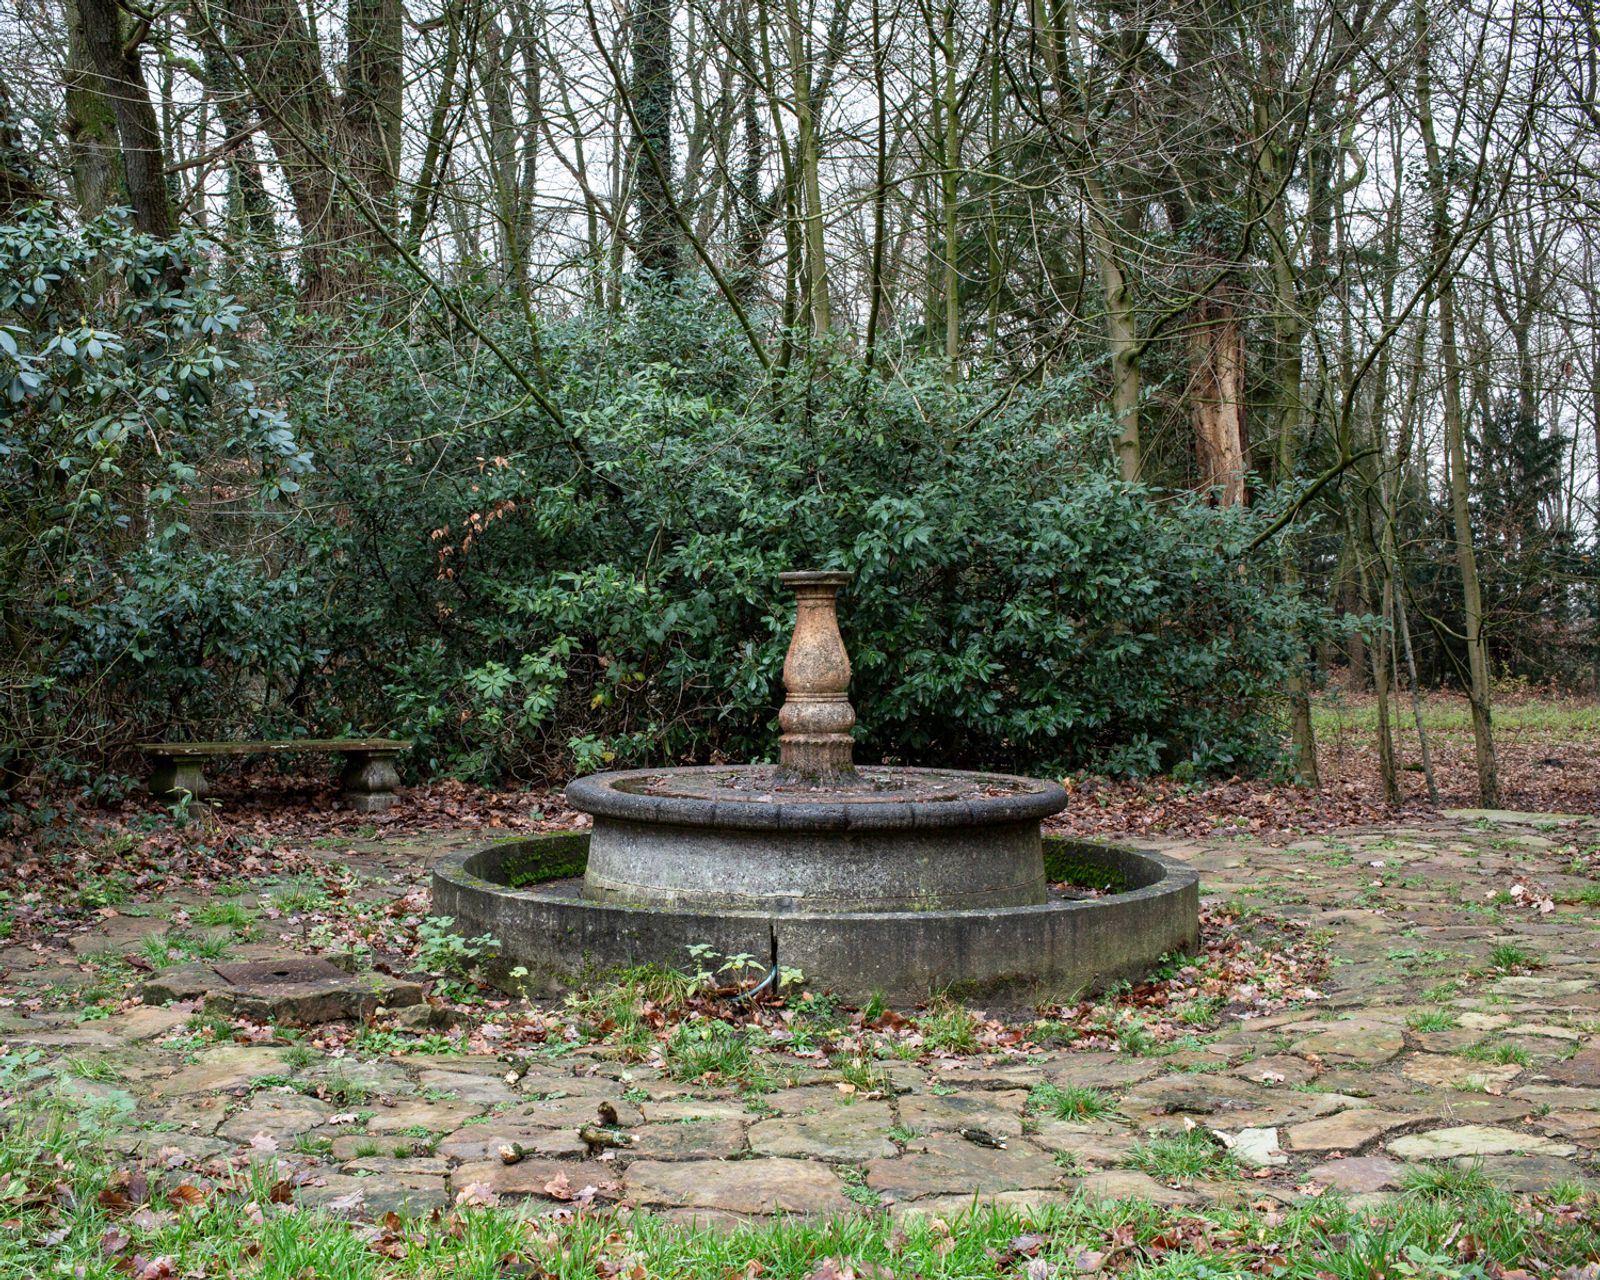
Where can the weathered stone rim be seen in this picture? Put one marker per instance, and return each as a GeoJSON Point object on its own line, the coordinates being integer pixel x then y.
{"type": "Point", "coordinates": [599, 794]}
{"type": "Point", "coordinates": [1072, 945]}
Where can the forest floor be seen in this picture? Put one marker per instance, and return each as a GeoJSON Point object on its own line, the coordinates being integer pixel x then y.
{"type": "Point", "coordinates": [1384, 1060]}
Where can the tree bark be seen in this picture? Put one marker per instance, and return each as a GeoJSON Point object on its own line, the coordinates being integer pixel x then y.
{"type": "Point", "coordinates": [110, 102]}
{"type": "Point", "coordinates": [1478, 667]}
{"type": "Point", "coordinates": [651, 90]}
{"type": "Point", "coordinates": [1217, 397]}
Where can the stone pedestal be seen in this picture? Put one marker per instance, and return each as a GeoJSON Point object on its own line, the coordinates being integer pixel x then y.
{"type": "Point", "coordinates": [171, 776]}
{"type": "Point", "coordinates": [816, 717]}
{"type": "Point", "coordinates": [368, 781]}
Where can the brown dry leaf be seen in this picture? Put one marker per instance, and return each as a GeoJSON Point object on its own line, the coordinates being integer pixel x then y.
{"type": "Point", "coordinates": [185, 1195]}
{"type": "Point", "coordinates": [389, 1245]}
{"type": "Point", "coordinates": [477, 1195]}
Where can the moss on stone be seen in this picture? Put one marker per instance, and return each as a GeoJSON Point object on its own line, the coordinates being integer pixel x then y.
{"type": "Point", "coordinates": [1075, 863]}
{"type": "Point", "coordinates": [559, 855]}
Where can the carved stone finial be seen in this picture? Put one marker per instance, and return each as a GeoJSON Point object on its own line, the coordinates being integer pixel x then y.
{"type": "Point", "coordinates": [816, 716]}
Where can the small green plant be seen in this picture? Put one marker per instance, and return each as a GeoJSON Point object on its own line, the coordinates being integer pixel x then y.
{"type": "Point", "coordinates": [949, 1027]}
{"type": "Point", "coordinates": [1201, 1012]}
{"type": "Point", "coordinates": [98, 1069]}
{"type": "Point", "coordinates": [216, 915]}
{"type": "Point", "coordinates": [107, 890]}
{"type": "Point", "coordinates": [709, 1049]}
{"type": "Point", "coordinates": [1499, 1052]}
{"type": "Point", "coordinates": [1183, 1157]}
{"type": "Point", "coordinates": [855, 1187]}
{"type": "Point", "coordinates": [1443, 1180]}
{"type": "Point", "coordinates": [1508, 956]}
{"type": "Point", "coordinates": [1432, 1020]}
{"type": "Point", "coordinates": [300, 899]}
{"type": "Point", "coordinates": [865, 1074]}
{"type": "Point", "coordinates": [449, 956]}
{"type": "Point", "coordinates": [340, 1089]}
{"type": "Point", "coordinates": [1071, 1102]}
{"type": "Point", "coordinates": [299, 1056]}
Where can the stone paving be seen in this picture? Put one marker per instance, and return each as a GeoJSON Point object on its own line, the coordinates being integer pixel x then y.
{"type": "Point", "coordinates": [1460, 1024]}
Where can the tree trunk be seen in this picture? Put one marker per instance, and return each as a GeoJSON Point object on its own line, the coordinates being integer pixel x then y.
{"type": "Point", "coordinates": [111, 55]}
{"type": "Point", "coordinates": [1217, 397]}
{"type": "Point", "coordinates": [1478, 667]}
{"type": "Point", "coordinates": [280, 62]}
{"type": "Point", "coordinates": [656, 234]}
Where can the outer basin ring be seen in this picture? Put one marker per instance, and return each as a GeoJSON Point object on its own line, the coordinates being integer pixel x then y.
{"type": "Point", "coordinates": [599, 794]}
{"type": "Point", "coordinates": [1061, 950]}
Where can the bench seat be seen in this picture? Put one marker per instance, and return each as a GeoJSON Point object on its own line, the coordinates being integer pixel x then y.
{"type": "Point", "coordinates": [366, 785]}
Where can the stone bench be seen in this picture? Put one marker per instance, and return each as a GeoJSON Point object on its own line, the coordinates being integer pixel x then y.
{"type": "Point", "coordinates": [366, 785]}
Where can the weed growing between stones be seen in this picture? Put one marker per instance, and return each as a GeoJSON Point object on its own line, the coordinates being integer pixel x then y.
{"type": "Point", "coordinates": [1071, 1102]}
{"type": "Point", "coordinates": [1183, 1157]}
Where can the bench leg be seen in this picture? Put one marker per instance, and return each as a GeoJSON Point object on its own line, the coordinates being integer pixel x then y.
{"type": "Point", "coordinates": [173, 776]}
{"type": "Point", "coordinates": [368, 781]}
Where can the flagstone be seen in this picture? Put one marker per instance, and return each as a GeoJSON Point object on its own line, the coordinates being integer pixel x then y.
{"type": "Point", "coordinates": [483, 1141]}
{"type": "Point", "coordinates": [373, 1197]}
{"type": "Point", "coordinates": [1345, 1131]}
{"type": "Point", "coordinates": [678, 1109]}
{"type": "Point", "coordinates": [1093, 1143]}
{"type": "Point", "coordinates": [399, 1166]}
{"type": "Point", "coordinates": [1358, 1175]}
{"type": "Point", "coordinates": [1365, 1040]}
{"type": "Point", "coordinates": [562, 1113]}
{"type": "Point", "coordinates": [1582, 1127]}
{"type": "Point", "coordinates": [1097, 1070]}
{"type": "Point", "coordinates": [538, 1178]}
{"type": "Point", "coordinates": [468, 1086]}
{"type": "Point", "coordinates": [1280, 1070]}
{"type": "Point", "coordinates": [997, 1113]}
{"type": "Point", "coordinates": [758, 1186]}
{"type": "Point", "coordinates": [1257, 1148]}
{"type": "Point", "coordinates": [380, 1077]}
{"type": "Point", "coordinates": [690, 1140]}
{"type": "Point", "coordinates": [856, 1134]}
{"type": "Point", "coordinates": [1539, 986]}
{"type": "Point", "coordinates": [435, 1117]}
{"type": "Point", "coordinates": [1474, 1140]}
{"type": "Point", "coordinates": [947, 1164]}
{"type": "Point", "coordinates": [1445, 1071]}
{"type": "Point", "coordinates": [1583, 1069]}
{"type": "Point", "coordinates": [1558, 1096]}
{"type": "Point", "coordinates": [279, 1117]}
{"type": "Point", "coordinates": [952, 1207]}
{"type": "Point", "coordinates": [227, 1067]}
{"type": "Point", "coordinates": [1528, 1173]}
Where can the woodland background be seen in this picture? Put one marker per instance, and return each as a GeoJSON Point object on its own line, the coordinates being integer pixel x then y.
{"type": "Point", "coordinates": [468, 373]}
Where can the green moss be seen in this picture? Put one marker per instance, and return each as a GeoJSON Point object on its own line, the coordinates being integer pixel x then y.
{"type": "Point", "coordinates": [1072, 862]}
{"type": "Point", "coordinates": [560, 855]}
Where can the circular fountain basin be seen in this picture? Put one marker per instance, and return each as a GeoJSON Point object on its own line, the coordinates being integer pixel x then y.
{"type": "Point", "coordinates": [885, 839]}
{"type": "Point", "coordinates": [528, 893]}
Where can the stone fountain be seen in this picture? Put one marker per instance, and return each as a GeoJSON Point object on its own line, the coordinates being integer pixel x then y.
{"type": "Point", "coordinates": [868, 879]}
